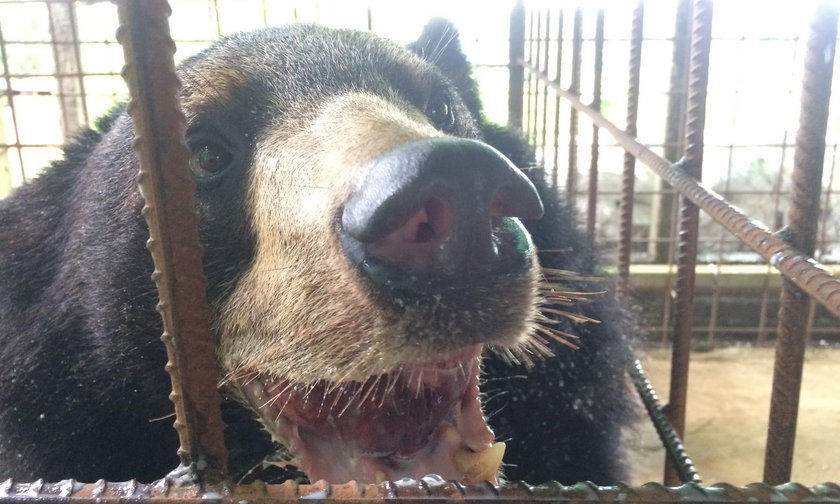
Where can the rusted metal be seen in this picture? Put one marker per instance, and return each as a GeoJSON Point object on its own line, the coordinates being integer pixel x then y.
{"type": "Point", "coordinates": [807, 273]}
{"type": "Point", "coordinates": [577, 45]}
{"type": "Point", "coordinates": [628, 174]}
{"type": "Point", "coordinates": [689, 225]}
{"type": "Point", "coordinates": [516, 80]}
{"type": "Point", "coordinates": [168, 191]}
{"type": "Point", "coordinates": [592, 197]}
{"type": "Point", "coordinates": [664, 204]}
{"type": "Point", "coordinates": [801, 232]}
{"type": "Point", "coordinates": [429, 489]}
{"type": "Point", "coordinates": [658, 415]}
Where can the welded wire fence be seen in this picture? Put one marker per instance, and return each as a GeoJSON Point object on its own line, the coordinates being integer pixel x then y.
{"type": "Point", "coordinates": [790, 250]}
{"type": "Point", "coordinates": [754, 89]}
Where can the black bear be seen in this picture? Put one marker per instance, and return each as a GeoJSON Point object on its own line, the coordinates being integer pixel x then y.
{"type": "Point", "coordinates": [381, 312]}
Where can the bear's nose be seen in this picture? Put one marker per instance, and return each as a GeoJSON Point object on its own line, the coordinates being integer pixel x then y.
{"type": "Point", "coordinates": [438, 204]}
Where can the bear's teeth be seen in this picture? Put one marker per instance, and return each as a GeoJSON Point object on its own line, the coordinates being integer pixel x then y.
{"type": "Point", "coordinates": [480, 466]}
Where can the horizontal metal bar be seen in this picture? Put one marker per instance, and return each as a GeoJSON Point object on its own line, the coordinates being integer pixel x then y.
{"type": "Point", "coordinates": [808, 274]}
{"type": "Point", "coordinates": [408, 491]}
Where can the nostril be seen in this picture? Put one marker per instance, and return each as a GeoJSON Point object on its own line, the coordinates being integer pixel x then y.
{"type": "Point", "coordinates": [439, 221]}
{"type": "Point", "coordinates": [414, 242]}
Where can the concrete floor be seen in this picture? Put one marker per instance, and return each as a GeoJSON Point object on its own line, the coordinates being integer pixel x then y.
{"type": "Point", "coordinates": [728, 405]}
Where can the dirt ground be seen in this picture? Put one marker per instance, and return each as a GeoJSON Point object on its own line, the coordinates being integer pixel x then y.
{"type": "Point", "coordinates": [728, 405]}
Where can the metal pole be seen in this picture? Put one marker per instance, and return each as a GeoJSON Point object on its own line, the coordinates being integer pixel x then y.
{"type": "Point", "coordinates": [801, 232]}
{"type": "Point", "coordinates": [692, 164]}
{"type": "Point", "coordinates": [628, 175]}
{"type": "Point", "coordinates": [168, 191]}
{"type": "Point", "coordinates": [516, 81]}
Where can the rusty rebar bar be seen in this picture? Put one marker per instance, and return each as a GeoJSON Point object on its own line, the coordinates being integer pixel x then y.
{"type": "Point", "coordinates": [801, 232]}
{"type": "Point", "coordinates": [807, 273]}
{"type": "Point", "coordinates": [577, 45]}
{"type": "Point", "coordinates": [168, 191]}
{"type": "Point", "coordinates": [672, 442]}
{"type": "Point", "coordinates": [516, 78]}
{"type": "Point", "coordinates": [689, 225]}
{"type": "Point", "coordinates": [628, 174]}
{"type": "Point", "coordinates": [429, 489]}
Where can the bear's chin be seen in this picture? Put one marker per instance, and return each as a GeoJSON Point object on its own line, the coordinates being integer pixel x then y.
{"type": "Point", "coordinates": [418, 420]}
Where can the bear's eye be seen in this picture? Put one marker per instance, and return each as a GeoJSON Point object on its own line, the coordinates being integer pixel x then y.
{"type": "Point", "coordinates": [209, 159]}
{"type": "Point", "coordinates": [439, 110]}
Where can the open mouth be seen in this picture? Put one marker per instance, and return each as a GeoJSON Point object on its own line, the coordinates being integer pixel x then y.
{"type": "Point", "coordinates": [419, 419]}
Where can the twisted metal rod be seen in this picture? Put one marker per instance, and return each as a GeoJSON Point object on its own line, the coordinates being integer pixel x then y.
{"type": "Point", "coordinates": [804, 271]}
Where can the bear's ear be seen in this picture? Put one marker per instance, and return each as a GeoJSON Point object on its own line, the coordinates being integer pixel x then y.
{"type": "Point", "coordinates": [440, 44]}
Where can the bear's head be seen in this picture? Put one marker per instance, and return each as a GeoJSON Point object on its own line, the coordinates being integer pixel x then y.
{"type": "Point", "coordinates": [363, 247]}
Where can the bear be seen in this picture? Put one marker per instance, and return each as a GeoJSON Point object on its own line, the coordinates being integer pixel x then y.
{"type": "Point", "coordinates": [395, 290]}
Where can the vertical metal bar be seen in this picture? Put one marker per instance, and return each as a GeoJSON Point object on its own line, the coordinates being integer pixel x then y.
{"type": "Point", "coordinates": [628, 175]}
{"type": "Point", "coordinates": [60, 14]}
{"type": "Point", "coordinates": [168, 191]}
{"type": "Point", "coordinates": [777, 196]}
{"type": "Point", "coordinates": [557, 77]}
{"type": "Point", "coordinates": [662, 226]}
{"type": "Point", "coordinates": [526, 128]}
{"type": "Point", "coordinates": [801, 232]}
{"type": "Point", "coordinates": [592, 199]}
{"type": "Point", "coordinates": [692, 163]}
{"type": "Point", "coordinates": [823, 241]}
{"type": "Point", "coordinates": [543, 130]}
{"type": "Point", "coordinates": [218, 17]}
{"type": "Point", "coordinates": [10, 97]}
{"type": "Point", "coordinates": [77, 47]}
{"type": "Point", "coordinates": [577, 45]}
{"type": "Point", "coordinates": [534, 103]}
{"type": "Point", "coordinates": [516, 82]}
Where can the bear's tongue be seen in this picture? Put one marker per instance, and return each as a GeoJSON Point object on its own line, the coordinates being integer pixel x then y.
{"type": "Point", "coordinates": [410, 423]}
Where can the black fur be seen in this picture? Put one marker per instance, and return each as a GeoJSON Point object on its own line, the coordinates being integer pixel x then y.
{"type": "Point", "coordinates": [83, 385]}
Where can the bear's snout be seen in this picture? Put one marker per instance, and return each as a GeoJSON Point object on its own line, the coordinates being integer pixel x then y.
{"type": "Point", "coordinates": [441, 206]}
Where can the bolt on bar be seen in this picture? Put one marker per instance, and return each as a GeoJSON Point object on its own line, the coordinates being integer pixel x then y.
{"type": "Point", "coordinates": [689, 224]}
{"type": "Point", "coordinates": [801, 232]}
{"type": "Point", "coordinates": [169, 210]}
{"type": "Point", "coordinates": [628, 175]}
